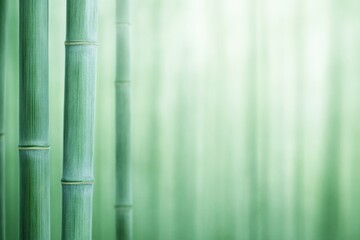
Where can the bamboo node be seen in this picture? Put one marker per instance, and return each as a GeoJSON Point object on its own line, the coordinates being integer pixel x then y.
{"type": "Point", "coordinates": [122, 82]}
{"type": "Point", "coordinates": [123, 23]}
{"type": "Point", "coordinates": [77, 43]}
{"type": "Point", "coordinates": [27, 148]}
{"type": "Point", "coordinates": [77, 183]}
{"type": "Point", "coordinates": [123, 206]}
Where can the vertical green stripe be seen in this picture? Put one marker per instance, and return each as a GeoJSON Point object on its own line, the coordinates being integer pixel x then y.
{"type": "Point", "coordinates": [34, 121]}
{"type": "Point", "coordinates": [2, 117]}
{"type": "Point", "coordinates": [123, 200]}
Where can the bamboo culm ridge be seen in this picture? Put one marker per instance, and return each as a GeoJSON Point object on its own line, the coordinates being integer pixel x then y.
{"type": "Point", "coordinates": [2, 118]}
{"type": "Point", "coordinates": [123, 205]}
{"type": "Point", "coordinates": [79, 119]}
{"type": "Point", "coordinates": [34, 121]}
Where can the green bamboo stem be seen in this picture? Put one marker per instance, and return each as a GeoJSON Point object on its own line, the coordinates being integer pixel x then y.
{"type": "Point", "coordinates": [153, 150]}
{"type": "Point", "coordinates": [252, 126]}
{"type": "Point", "coordinates": [329, 210]}
{"type": "Point", "coordinates": [299, 123]}
{"type": "Point", "coordinates": [123, 204]}
{"type": "Point", "coordinates": [79, 121]}
{"type": "Point", "coordinates": [34, 121]}
{"type": "Point", "coordinates": [2, 118]}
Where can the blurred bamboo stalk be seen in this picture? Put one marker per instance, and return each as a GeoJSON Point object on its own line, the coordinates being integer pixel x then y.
{"type": "Point", "coordinates": [252, 122]}
{"type": "Point", "coordinates": [34, 121]}
{"type": "Point", "coordinates": [2, 118]}
{"type": "Point", "coordinates": [153, 135]}
{"type": "Point", "coordinates": [329, 195]}
{"type": "Point", "coordinates": [79, 119]}
{"type": "Point", "coordinates": [123, 203]}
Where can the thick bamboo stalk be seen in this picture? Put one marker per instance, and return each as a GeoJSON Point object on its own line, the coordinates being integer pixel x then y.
{"type": "Point", "coordinates": [2, 118]}
{"type": "Point", "coordinates": [34, 121]}
{"type": "Point", "coordinates": [123, 203]}
{"type": "Point", "coordinates": [79, 121]}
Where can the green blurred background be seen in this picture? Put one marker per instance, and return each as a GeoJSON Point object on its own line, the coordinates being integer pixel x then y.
{"type": "Point", "coordinates": [246, 119]}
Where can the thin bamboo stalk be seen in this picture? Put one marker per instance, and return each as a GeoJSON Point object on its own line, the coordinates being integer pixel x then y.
{"type": "Point", "coordinates": [2, 118]}
{"type": "Point", "coordinates": [299, 123]}
{"type": "Point", "coordinates": [123, 203]}
{"type": "Point", "coordinates": [155, 86]}
{"type": "Point", "coordinates": [251, 124]}
{"type": "Point", "coordinates": [329, 200]}
{"type": "Point", "coordinates": [34, 121]}
{"type": "Point", "coordinates": [79, 121]}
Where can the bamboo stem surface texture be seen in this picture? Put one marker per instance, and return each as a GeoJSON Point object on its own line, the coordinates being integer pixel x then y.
{"type": "Point", "coordinates": [34, 121]}
{"type": "Point", "coordinates": [2, 117]}
{"type": "Point", "coordinates": [123, 203]}
{"type": "Point", "coordinates": [79, 118]}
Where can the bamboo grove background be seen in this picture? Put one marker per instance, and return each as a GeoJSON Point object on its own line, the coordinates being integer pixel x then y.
{"type": "Point", "coordinates": [245, 119]}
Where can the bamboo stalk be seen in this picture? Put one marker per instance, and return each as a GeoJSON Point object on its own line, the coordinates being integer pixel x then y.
{"type": "Point", "coordinates": [123, 203]}
{"type": "Point", "coordinates": [34, 121]}
{"type": "Point", "coordinates": [251, 124]}
{"type": "Point", "coordinates": [79, 121]}
{"type": "Point", "coordinates": [2, 118]}
{"type": "Point", "coordinates": [299, 123]}
{"type": "Point", "coordinates": [153, 150]}
{"type": "Point", "coordinates": [329, 199]}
